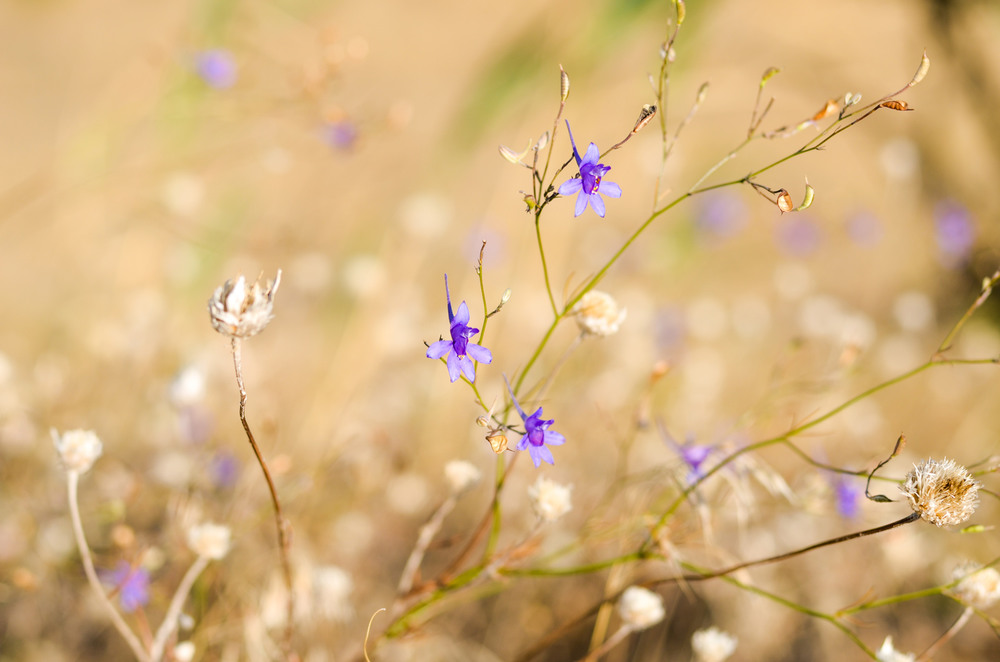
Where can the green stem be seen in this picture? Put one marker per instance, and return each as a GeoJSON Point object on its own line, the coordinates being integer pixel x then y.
{"type": "Point", "coordinates": [545, 268]}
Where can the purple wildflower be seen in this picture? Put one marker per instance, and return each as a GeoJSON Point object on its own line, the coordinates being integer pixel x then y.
{"type": "Point", "coordinates": [720, 215]}
{"type": "Point", "coordinates": [589, 185]}
{"type": "Point", "coordinates": [131, 584]}
{"type": "Point", "coordinates": [798, 235]}
{"type": "Point", "coordinates": [537, 434]}
{"type": "Point", "coordinates": [865, 229]}
{"type": "Point", "coordinates": [848, 495]}
{"type": "Point", "coordinates": [341, 134]}
{"type": "Point", "coordinates": [459, 349]}
{"type": "Point", "coordinates": [217, 68]}
{"type": "Point", "coordinates": [954, 231]}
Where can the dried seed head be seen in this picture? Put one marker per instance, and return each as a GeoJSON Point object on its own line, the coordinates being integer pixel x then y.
{"type": "Point", "coordinates": [712, 645]}
{"type": "Point", "coordinates": [597, 314]}
{"type": "Point", "coordinates": [78, 449]}
{"type": "Point", "coordinates": [640, 608]}
{"type": "Point", "coordinates": [239, 312]}
{"type": "Point", "coordinates": [980, 589]}
{"type": "Point", "coordinates": [461, 475]}
{"type": "Point", "coordinates": [942, 492]}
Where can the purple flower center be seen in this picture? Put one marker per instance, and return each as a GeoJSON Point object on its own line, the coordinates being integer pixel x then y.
{"type": "Point", "coordinates": [460, 334]}
{"type": "Point", "coordinates": [534, 427]}
{"type": "Point", "coordinates": [591, 174]}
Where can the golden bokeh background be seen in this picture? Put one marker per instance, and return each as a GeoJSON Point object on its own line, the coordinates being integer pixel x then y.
{"type": "Point", "coordinates": [356, 150]}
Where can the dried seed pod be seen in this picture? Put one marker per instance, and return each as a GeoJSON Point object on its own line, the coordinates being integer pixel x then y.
{"type": "Point", "coordinates": [498, 441]}
{"type": "Point", "coordinates": [808, 199]}
{"type": "Point", "coordinates": [830, 108]}
{"type": "Point", "coordinates": [784, 201]}
{"type": "Point", "coordinates": [646, 116]}
{"type": "Point", "coordinates": [563, 84]}
{"type": "Point", "coordinates": [894, 104]}
{"type": "Point", "coordinates": [925, 65]}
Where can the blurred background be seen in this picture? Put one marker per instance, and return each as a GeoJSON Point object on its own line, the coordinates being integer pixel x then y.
{"type": "Point", "coordinates": [150, 151]}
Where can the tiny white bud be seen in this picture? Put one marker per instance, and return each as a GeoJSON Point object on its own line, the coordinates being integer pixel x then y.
{"type": "Point", "coordinates": [209, 540]}
{"type": "Point", "coordinates": [640, 608]}
{"type": "Point", "coordinates": [550, 499]}
{"type": "Point", "coordinates": [461, 475]}
{"type": "Point", "coordinates": [78, 449]}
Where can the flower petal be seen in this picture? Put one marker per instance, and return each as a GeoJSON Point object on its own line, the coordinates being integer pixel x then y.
{"type": "Point", "coordinates": [524, 443]}
{"type": "Point", "coordinates": [570, 186]}
{"type": "Point", "coordinates": [553, 438]}
{"type": "Point", "coordinates": [592, 155]}
{"type": "Point", "coordinates": [462, 316]}
{"type": "Point", "coordinates": [438, 349]}
{"type": "Point", "coordinates": [468, 368]}
{"type": "Point", "coordinates": [479, 353]}
{"type": "Point", "coordinates": [598, 204]}
{"type": "Point", "coordinates": [453, 366]}
{"type": "Point", "coordinates": [610, 189]}
{"type": "Point", "coordinates": [540, 453]}
{"type": "Point", "coordinates": [581, 203]}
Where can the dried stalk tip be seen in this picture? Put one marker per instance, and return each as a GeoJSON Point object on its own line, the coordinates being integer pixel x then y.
{"type": "Point", "coordinates": [942, 492]}
{"type": "Point", "coordinates": [563, 84]}
{"type": "Point", "coordinates": [768, 75]}
{"type": "Point", "coordinates": [646, 116]}
{"type": "Point", "coordinates": [240, 312]}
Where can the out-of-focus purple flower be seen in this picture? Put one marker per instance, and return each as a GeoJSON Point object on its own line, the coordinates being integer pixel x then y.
{"type": "Point", "coordinates": [341, 134]}
{"type": "Point", "coordinates": [217, 68]}
{"type": "Point", "coordinates": [798, 235]}
{"type": "Point", "coordinates": [954, 231]}
{"type": "Point", "coordinates": [131, 584]}
{"type": "Point", "coordinates": [590, 185]}
{"type": "Point", "coordinates": [537, 435]}
{"type": "Point", "coordinates": [224, 469]}
{"type": "Point", "coordinates": [720, 215]}
{"type": "Point", "coordinates": [459, 349]}
{"type": "Point", "coordinates": [865, 229]}
{"type": "Point", "coordinates": [848, 495]}
{"type": "Point", "coordinates": [694, 455]}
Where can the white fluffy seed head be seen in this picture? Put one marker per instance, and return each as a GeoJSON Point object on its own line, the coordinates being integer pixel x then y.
{"type": "Point", "coordinates": [640, 608]}
{"type": "Point", "coordinates": [942, 492]}
{"type": "Point", "coordinates": [597, 314]}
{"type": "Point", "coordinates": [209, 540]}
{"type": "Point", "coordinates": [78, 449]}
{"type": "Point", "coordinates": [550, 499]}
{"type": "Point", "coordinates": [461, 475]}
{"type": "Point", "coordinates": [712, 645]}
{"type": "Point", "coordinates": [977, 588]}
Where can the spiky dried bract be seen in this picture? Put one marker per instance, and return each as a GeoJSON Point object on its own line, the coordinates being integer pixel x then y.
{"type": "Point", "coordinates": [712, 645]}
{"type": "Point", "coordinates": [209, 540]}
{"type": "Point", "coordinates": [240, 312]}
{"type": "Point", "coordinates": [640, 608]}
{"type": "Point", "coordinates": [78, 449]}
{"type": "Point", "coordinates": [597, 314]}
{"type": "Point", "coordinates": [942, 492]}
{"type": "Point", "coordinates": [978, 588]}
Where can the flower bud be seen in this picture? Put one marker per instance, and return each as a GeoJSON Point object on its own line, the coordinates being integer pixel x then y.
{"type": "Point", "coordinates": [239, 312]}
{"type": "Point", "coordinates": [925, 65]}
{"type": "Point", "coordinates": [563, 84]}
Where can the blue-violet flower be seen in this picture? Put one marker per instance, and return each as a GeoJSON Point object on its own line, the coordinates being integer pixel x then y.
{"type": "Point", "coordinates": [131, 583]}
{"type": "Point", "coordinates": [590, 184]}
{"type": "Point", "coordinates": [537, 434]}
{"type": "Point", "coordinates": [459, 349]}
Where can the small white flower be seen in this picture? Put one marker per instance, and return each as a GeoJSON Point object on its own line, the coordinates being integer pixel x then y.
{"type": "Point", "coordinates": [889, 654]}
{"type": "Point", "coordinates": [597, 314]}
{"type": "Point", "coordinates": [640, 608]}
{"type": "Point", "coordinates": [550, 499]}
{"type": "Point", "coordinates": [980, 589]}
{"type": "Point", "coordinates": [712, 645]}
{"type": "Point", "coordinates": [78, 449]}
{"type": "Point", "coordinates": [184, 651]}
{"type": "Point", "coordinates": [209, 540]}
{"type": "Point", "coordinates": [240, 312]}
{"type": "Point", "coordinates": [461, 475]}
